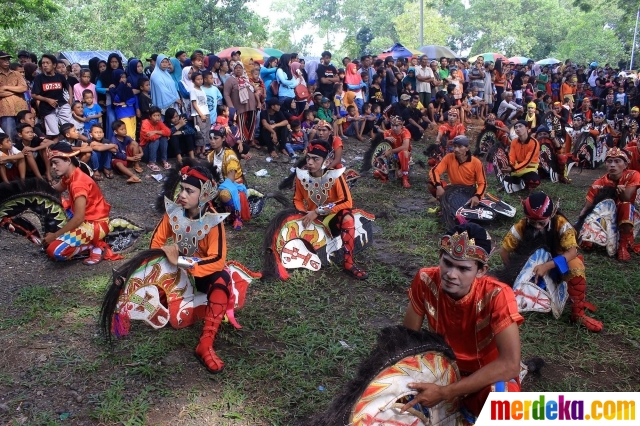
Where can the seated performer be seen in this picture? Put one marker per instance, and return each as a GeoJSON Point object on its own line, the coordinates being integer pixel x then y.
{"type": "Point", "coordinates": [201, 249]}
{"type": "Point", "coordinates": [544, 227]}
{"type": "Point", "coordinates": [476, 314]}
{"type": "Point", "coordinates": [233, 192]}
{"type": "Point", "coordinates": [578, 128]}
{"type": "Point", "coordinates": [86, 208]}
{"type": "Point", "coordinates": [400, 139]}
{"type": "Point", "coordinates": [501, 129]}
{"type": "Point", "coordinates": [605, 131]}
{"type": "Point", "coordinates": [462, 169]}
{"type": "Point", "coordinates": [449, 130]}
{"type": "Point", "coordinates": [625, 182]}
{"type": "Point", "coordinates": [324, 193]}
{"type": "Point", "coordinates": [524, 157]}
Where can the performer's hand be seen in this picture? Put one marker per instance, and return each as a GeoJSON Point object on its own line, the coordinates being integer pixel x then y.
{"type": "Point", "coordinates": [506, 170]}
{"type": "Point", "coordinates": [439, 192]}
{"type": "Point", "coordinates": [172, 253]}
{"type": "Point", "coordinates": [48, 238]}
{"type": "Point", "coordinates": [620, 189]}
{"type": "Point", "coordinates": [387, 153]}
{"type": "Point", "coordinates": [474, 201]}
{"type": "Point", "coordinates": [310, 217]}
{"type": "Point", "coordinates": [429, 395]}
{"type": "Point", "coordinates": [541, 270]}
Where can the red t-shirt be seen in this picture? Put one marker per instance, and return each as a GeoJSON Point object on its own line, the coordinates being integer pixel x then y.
{"type": "Point", "coordinates": [629, 178]}
{"type": "Point", "coordinates": [81, 185]}
{"type": "Point", "coordinates": [468, 325]}
{"type": "Point", "coordinates": [455, 130]}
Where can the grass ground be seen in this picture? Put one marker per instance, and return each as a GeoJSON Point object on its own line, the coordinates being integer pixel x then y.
{"type": "Point", "coordinates": [301, 339]}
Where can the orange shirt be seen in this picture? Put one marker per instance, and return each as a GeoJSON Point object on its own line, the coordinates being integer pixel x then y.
{"type": "Point", "coordinates": [212, 249]}
{"type": "Point", "coordinates": [148, 126]}
{"type": "Point", "coordinates": [468, 173]}
{"type": "Point", "coordinates": [398, 138]}
{"type": "Point", "coordinates": [468, 325]}
{"type": "Point", "coordinates": [339, 194]}
{"type": "Point", "coordinates": [634, 157]}
{"type": "Point", "coordinates": [523, 154]}
{"type": "Point", "coordinates": [81, 185]}
{"type": "Point", "coordinates": [630, 178]}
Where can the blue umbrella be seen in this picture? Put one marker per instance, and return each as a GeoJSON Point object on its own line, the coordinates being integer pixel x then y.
{"type": "Point", "coordinates": [399, 51]}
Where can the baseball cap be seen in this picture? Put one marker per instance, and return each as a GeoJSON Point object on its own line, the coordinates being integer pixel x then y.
{"type": "Point", "coordinates": [461, 140]}
{"type": "Point", "coordinates": [405, 97]}
{"type": "Point", "coordinates": [4, 55]}
{"type": "Point", "coordinates": [153, 57]}
{"type": "Point", "coordinates": [324, 99]}
{"type": "Point", "coordinates": [317, 94]}
{"type": "Point", "coordinates": [23, 53]}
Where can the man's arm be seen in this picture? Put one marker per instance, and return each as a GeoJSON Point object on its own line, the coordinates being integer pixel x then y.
{"type": "Point", "coordinates": [504, 368]}
{"type": "Point", "coordinates": [412, 320]}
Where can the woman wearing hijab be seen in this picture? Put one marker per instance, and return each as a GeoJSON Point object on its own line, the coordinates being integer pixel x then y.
{"type": "Point", "coordinates": [296, 70]}
{"type": "Point", "coordinates": [354, 84]}
{"type": "Point", "coordinates": [268, 74]}
{"type": "Point", "coordinates": [134, 72]}
{"type": "Point", "coordinates": [286, 79]}
{"type": "Point", "coordinates": [93, 67]}
{"type": "Point", "coordinates": [105, 82]}
{"type": "Point", "coordinates": [175, 69]}
{"type": "Point", "coordinates": [124, 102]}
{"type": "Point", "coordinates": [312, 70]}
{"type": "Point", "coordinates": [185, 88]}
{"type": "Point", "coordinates": [163, 87]}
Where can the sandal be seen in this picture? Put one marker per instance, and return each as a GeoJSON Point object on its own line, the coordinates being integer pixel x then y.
{"type": "Point", "coordinates": [108, 174]}
{"type": "Point", "coordinates": [97, 176]}
{"type": "Point", "coordinates": [138, 169]}
{"type": "Point", "coordinates": [153, 167]}
{"type": "Point", "coordinates": [356, 272]}
{"type": "Point", "coordinates": [166, 165]}
{"type": "Point", "coordinates": [134, 179]}
{"type": "Point", "coordinates": [94, 258]}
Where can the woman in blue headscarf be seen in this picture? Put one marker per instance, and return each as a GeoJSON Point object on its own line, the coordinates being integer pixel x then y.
{"type": "Point", "coordinates": [124, 102]}
{"type": "Point", "coordinates": [175, 69]}
{"type": "Point", "coordinates": [163, 87]}
{"type": "Point", "coordinates": [134, 72]}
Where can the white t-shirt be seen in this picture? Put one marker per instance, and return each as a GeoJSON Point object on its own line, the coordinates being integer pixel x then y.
{"type": "Point", "coordinates": [200, 97]}
{"type": "Point", "coordinates": [421, 86]}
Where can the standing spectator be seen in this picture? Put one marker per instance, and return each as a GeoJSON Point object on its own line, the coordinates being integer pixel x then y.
{"type": "Point", "coordinates": [424, 78]}
{"type": "Point", "coordinates": [134, 72]}
{"type": "Point", "coordinates": [104, 84]}
{"type": "Point", "coordinates": [296, 71]}
{"type": "Point", "coordinates": [268, 74]}
{"type": "Point", "coordinates": [163, 87]}
{"type": "Point", "coordinates": [327, 76]}
{"type": "Point", "coordinates": [124, 103]}
{"type": "Point", "coordinates": [286, 80]}
{"type": "Point", "coordinates": [392, 81]}
{"type": "Point", "coordinates": [366, 67]}
{"type": "Point", "coordinates": [200, 113]}
{"type": "Point", "coordinates": [238, 94]}
{"type": "Point", "coordinates": [499, 81]}
{"type": "Point", "coordinates": [476, 77]}
{"type": "Point", "coordinates": [12, 89]}
{"type": "Point", "coordinates": [436, 84]}
{"type": "Point", "coordinates": [181, 56]}
{"type": "Point", "coordinates": [48, 88]}
{"type": "Point", "coordinates": [84, 84]}
{"type": "Point", "coordinates": [24, 57]}
{"type": "Point", "coordinates": [149, 69]}
{"type": "Point", "coordinates": [354, 84]}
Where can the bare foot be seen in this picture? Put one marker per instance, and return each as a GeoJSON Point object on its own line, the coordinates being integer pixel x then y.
{"type": "Point", "coordinates": [246, 156]}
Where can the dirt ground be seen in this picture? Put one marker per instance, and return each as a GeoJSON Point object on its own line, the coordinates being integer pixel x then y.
{"type": "Point", "coordinates": [56, 369]}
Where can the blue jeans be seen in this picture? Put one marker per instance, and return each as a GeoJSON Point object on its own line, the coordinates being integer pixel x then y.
{"type": "Point", "coordinates": [101, 160]}
{"type": "Point", "coordinates": [292, 148]}
{"type": "Point", "coordinates": [8, 124]}
{"type": "Point", "coordinates": [150, 150]}
{"type": "Point", "coordinates": [111, 117]}
{"type": "Point", "coordinates": [359, 103]}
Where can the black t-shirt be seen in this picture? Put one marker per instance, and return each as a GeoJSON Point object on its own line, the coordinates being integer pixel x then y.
{"type": "Point", "coordinates": [445, 105]}
{"type": "Point", "coordinates": [52, 87]}
{"type": "Point", "coordinates": [411, 113]}
{"type": "Point", "coordinates": [395, 109]}
{"type": "Point", "coordinates": [376, 96]}
{"type": "Point", "coordinates": [271, 118]}
{"type": "Point", "coordinates": [148, 70]}
{"type": "Point", "coordinates": [326, 71]}
{"type": "Point", "coordinates": [145, 104]}
{"type": "Point", "coordinates": [392, 89]}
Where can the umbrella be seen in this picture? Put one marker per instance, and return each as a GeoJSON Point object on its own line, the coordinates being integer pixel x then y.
{"type": "Point", "coordinates": [436, 52]}
{"type": "Point", "coordinates": [490, 57]}
{"type": "Point", "coordinates": [519, 60]}
{"type": "Point", "coordinates": [548, 61]}
{"type": "Point", "coordinates": [245, 53]}
{"type": "Point", "coordinates": [399, 51]}
{"type": "Point", "coordinates": [272, 52]}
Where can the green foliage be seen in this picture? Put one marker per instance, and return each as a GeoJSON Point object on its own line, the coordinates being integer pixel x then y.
{"type": "Point", "coordinates": [14, 13]}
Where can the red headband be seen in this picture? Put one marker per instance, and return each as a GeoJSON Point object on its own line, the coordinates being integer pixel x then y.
{"type": "Point", "coordinates": [538, 213]}
{"type": "Point", "coordinates": [188, 172]}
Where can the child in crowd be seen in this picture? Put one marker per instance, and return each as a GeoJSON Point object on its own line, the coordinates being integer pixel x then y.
{"type": "Point", "coordinates": [12, 163]}
{"type": "Point", "coordinates": [326, 113]}
{"type": "Point", "coordinates": [200, 114]}
{"type": "Point", "coordinates": [182, 134]}
{"type": "Point", "coordinates": [127, 153]}
{"type": "Point", "coordinates": [297, 140]}
{"type": "Point", "coordinates": [365, 89]}
{"type": "Point", "coordinates": [308, 125]}
{"type": "Point", "coordinates": [84, 85]}
{"type": "Point", "coordinates": [26, 137]}
{"type": "Point", "coordinates": [77, 114]}
{"type": "Point", "coordinates": [102, 154]}
{"type": "Point", "coordinates": [214, 97]}
{"type": "Point", "coordinates": [144, 99]}
{"type": "Point", "coordinates": [91, 112]}
{"type": "Point", "coordinates": [621, 96]}
{"type": "Point", "coordinates": [375, 92]}
{"type": "Point", "coordinates": [260, 91]}
{"type": "Point", "coordinates": [476, 103]}
{"type": "Point", "coordinates": [124, 102]}
{"type": "Point", "coordinates": [153, 138]}
{"type": "Point", "coordinates": [369, 120]}
{"type": "Point", "coordinates": [71, 136]}
{"type": "Point", "coordinates": [225, 119]}
{"type": "Point", "coordinates": [555, 88]}
{"type": "Point", "coordinates": [353, 124]}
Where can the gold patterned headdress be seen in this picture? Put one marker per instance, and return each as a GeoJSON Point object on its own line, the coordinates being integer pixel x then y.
{"type": "Point", "coordinates": [394, 119]}
{"type": "Point", "coordinates": [618, 153]}
{"type": "Point", "coordinates": [461, 247]}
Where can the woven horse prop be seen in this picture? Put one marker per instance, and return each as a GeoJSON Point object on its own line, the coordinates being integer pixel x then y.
{"type": "Point", "coordinates": [150, 289]}
{"type": "Point", "coordinates": [32, 208]}
{"type": "Point", "coordinates": [379, 389]}
{"type": "Point", "coordinates": [288, 244]}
